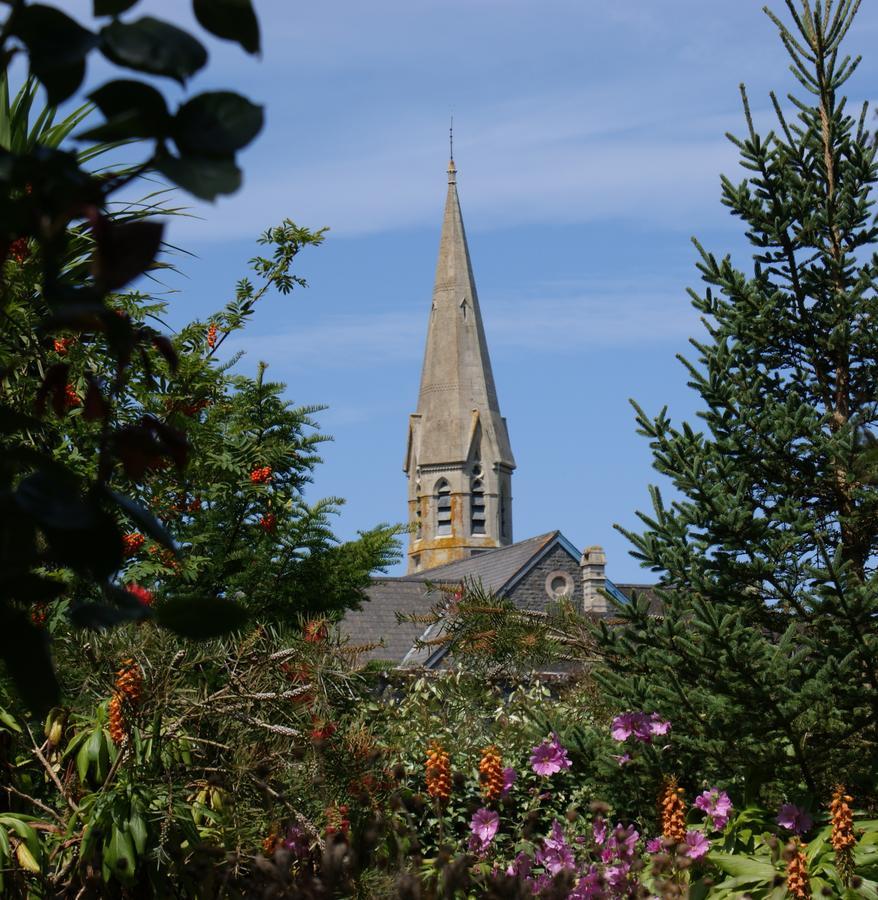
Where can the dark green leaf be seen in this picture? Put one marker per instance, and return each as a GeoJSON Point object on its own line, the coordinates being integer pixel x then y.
{"type": "Point", "coordinates": [204, 177]}
{"type": "Point", "coordinates": [150, 45]}
{"type": "Point", "coordinates": [112, 7]}
{"type": "Point", "coordinates": [57, 46]}
{"type": "Point", "coordinates": [29, 588]}
{"type": "Point", "coordinates": [97, 616]}
{"type": "Point", "coordinates": [201, 619]}
{"type": "Point", "coordinates": [11, 421]}
{"type": "Point", "coordinates": [132, 109]}
{"type": "Point", "coordinates": [124, 251]}
{"type": "Point", "coordinates": [145, 520]}
{"type": "Point", "coordinates": [97, 550]}
{"type": "Point", "coordinates": [52, 500]}
{"type": "Point", "coordinates": [217, 123]}
{"type": "Point", "coordinates": [25, 650]}
{"type": "Point", "coordinates": [233, 20]}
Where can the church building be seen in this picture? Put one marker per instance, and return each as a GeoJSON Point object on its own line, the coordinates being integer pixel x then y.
{"type": "Point", "coordinates": [459, 465]}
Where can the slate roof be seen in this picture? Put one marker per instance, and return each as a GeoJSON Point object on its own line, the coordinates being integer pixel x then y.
{"type": "Point", "coordinates": [376, 621]}
{"type": "Point", "coordinates": [494, 568]}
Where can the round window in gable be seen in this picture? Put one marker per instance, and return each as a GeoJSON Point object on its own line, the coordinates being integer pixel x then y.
{"type": "Point", "coordinates": [559, 584]}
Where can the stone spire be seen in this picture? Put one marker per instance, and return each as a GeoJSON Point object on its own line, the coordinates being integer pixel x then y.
{"type": "Point", "coordinates": [459, 460]}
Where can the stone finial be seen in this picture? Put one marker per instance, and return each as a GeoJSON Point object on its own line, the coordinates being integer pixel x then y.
{"type": "Point", "coordinates": [594, 579]}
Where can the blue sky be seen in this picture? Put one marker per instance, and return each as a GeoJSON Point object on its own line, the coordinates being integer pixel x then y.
{"type": "Point", "coordinates": [589, 139]}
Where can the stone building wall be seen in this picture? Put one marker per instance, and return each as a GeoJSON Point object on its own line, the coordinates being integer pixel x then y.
{"type": "Point", "coordinates": [532, 592]}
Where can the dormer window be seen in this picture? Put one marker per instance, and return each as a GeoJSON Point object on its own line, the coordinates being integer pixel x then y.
{"type": "Point", "coordinates": [443, 507]}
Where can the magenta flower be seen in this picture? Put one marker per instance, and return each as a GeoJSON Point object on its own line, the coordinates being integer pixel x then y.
{"type": "Point", "coordinates": [520, 866]}
{"type": "Point", "coordinates": [484, 825]}
{"type": "Point", "coordinates": [641, 726]}
{"type": "Point", "coordinates": [717, 805]}
{"type": "Point", "coordinates": [590, 885]}
{"type": "Point", "coordinates": [794, 818]}
{"type": "Point", "coordinates": [623, 760]}
{"type": "Point", "coordinates": [549, 757]}
{"type": "Point", "coordinates": [555, 855]}
{"type": "Point", "coordinates": [620, 845]}
{"type": "Point", "coordinates": [509, 776]}
{"type": "Point", "coordinates": [599, 830]}
{"type": "Point", "coordinates": [697, 844]}
{"type": "Point", "coordinates": [654, 845]}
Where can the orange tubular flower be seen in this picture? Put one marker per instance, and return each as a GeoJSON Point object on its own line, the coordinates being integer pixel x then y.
{"type": "Point", "coordinates": [798, 883]}
{"type": "Point", "coordinates": [129, 681]}
{"type": "Point", "coordinates": [843, 838]}
{"type": "Point", "coordinates": [491, 773]}
{"type": "Point", "coordinates": [118, 728]}
{"type": "Point", "coordinates": [672, 812]}
{"type": "Point", "coordinates": [438, 773]}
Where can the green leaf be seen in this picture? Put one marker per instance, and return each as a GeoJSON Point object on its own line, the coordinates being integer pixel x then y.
{"type": "Point", "coordinates": [132, 109]}
{"type": "Point", "coordinates": [24, 649]}
{"type": "Point", "coordinates": [153, 46]}
{"type": "Point", "coordinates": [233, 20]}
{"type": "Point", "coordinates": [138, 832]}
{"type": "Point", "coordinates": [201, 619]}
{"type": "Point", "coordinates": [743, 867]}
{"type": "Point", "coordinates": [121, 855]}
{"type": "Point", "coordinates": [216, 124]}
{"type": "Point", "coordinates": [112, 7]}
{"type": "Point", "coordinates": [204, 177]}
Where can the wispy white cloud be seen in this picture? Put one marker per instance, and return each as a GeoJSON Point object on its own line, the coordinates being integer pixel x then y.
{"type": "Point", "coordinates": [556, 318]}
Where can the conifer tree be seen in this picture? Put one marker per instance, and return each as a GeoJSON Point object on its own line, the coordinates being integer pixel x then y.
{"type": "Point", "coordinates": [766, 656]}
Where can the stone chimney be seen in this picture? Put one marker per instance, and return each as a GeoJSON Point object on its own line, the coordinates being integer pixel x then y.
{"type": "Point", "coordinates": [594, 578]}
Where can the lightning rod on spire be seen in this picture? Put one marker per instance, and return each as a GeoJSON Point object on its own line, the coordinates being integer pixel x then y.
{"type": "Point", "coordinates": [451, 139]}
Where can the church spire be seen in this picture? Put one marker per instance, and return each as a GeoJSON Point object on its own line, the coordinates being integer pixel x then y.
{"type": "Point", "coordinates": [459, 460]}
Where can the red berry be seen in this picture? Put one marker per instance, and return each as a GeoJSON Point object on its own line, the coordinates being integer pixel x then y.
{"type": "Point", "coordinates": [211, 336]}
{"type": "Point", "coordinates": [141, 593]}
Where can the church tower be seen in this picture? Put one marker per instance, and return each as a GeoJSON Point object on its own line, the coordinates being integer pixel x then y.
{"type": "Point", "coordinates": [458, 461]}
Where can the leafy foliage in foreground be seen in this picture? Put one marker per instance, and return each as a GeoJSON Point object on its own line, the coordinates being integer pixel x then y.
{"type": "Point", "coordinates": [767, 648]}
{"type": "Point", "coordinates": [65, 258]}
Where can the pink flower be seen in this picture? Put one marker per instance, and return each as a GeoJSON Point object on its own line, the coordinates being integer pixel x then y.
{"type": "Point", "coordinates": [599, 830]}
{"type": "Point", "coordinates": [549, 757]}
{"type": "Point", "coordinates": [590, 885]}
{"type": "Point", "coordinates": [484, 826]}
{"type": "Point", "coordinates": [641, 726]}
{"type": "Point", "coordinates": [555, 855]}
{"type": "Point", "coordinates": [654, 845]}
{"type": "Point", "coordinates": [717, 805]}
{"type": "Point", "coordinates": [623, 760]}
{"type": "Point", "coordinates": [697, 844]}
{"type": "Point", "coordinates": [509, 776]}
{"type": "Point", "coordinates": [794, 818]}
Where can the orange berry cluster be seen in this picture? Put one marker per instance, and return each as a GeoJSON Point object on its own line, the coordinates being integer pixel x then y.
{"type": "Point", "coordinates": [672, 812]}
{"type": "Point", "coordinates": [62, 345]}
{"type": "Point", "coordinates": [261, 475]}
{"type": "Point", "coordinates": [798, 883]}
{"type": "Point", "coordinates": [843, 838]}
{"type": "Point", "coordinates": [129, 689]}
{"type": "Point", "coordinates": [132, 542]}
{"type": "Point", "coordinates": [211, 336]}
{"type": "Point", "coordinates": [268, 522]}
{"type": "Point", "coordinates": [491, 773]}
{"type": "Point", "coordinates": [129, 681]}
{"type": "Point", "coordinates": [438, 773]}
{"type": "Point", "coordinates": [19, 250]}
{"type": "Point", "coordinates": [118, 726]}
{"type": "Point", "coordinates": [71, 398]}
{"type": "Point", "coordinates": [39, 613]}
